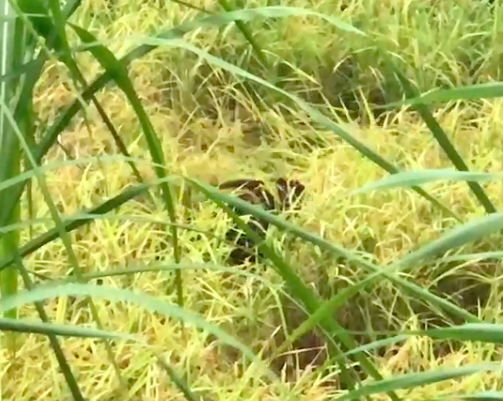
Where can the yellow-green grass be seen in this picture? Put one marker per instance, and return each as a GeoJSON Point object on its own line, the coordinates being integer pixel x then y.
{"type": "Point", "coordinates": [215, 147]}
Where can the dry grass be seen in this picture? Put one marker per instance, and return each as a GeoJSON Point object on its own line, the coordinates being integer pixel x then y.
{"type": "Point", "coordinates": [216, 148]}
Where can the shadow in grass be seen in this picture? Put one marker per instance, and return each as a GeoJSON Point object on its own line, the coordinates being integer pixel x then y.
{"type": "Point", "coordinates": [369, 318]}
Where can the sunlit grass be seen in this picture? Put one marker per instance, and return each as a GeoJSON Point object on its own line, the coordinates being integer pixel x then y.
{"type": "Point", "coordinates": [243, 306]}
{"type": "Point", "coordinates": [212, 131]}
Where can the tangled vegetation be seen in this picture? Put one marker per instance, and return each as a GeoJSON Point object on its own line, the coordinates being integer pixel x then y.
{"type": "Point", "coordinates": [119, 121]}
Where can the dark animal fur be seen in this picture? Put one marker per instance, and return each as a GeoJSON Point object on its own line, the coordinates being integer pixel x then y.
{"type": "Point", "coordinates": [253, 191]}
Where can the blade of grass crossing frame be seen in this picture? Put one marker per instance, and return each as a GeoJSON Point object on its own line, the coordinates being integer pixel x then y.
{"type": "Point", "coordinates": [7, 185]}
{"type": "Point", "coordinates": [10, 156]}
{"type": "Point", "coordinates": [314, 239]}
{"type": "Point", "coordinates": [21, 326]}
{"type": "Point", "coordinates": [456, 237]}
{"type": "Point", "coordinates": [58, 352]}
{"type": "Point", "coordinates": [298, 290]}
{"type": "Point", "coordinates": [483, 332]}
{"type": "Point", "coordinates": [442, 139]}
{"type": "Point", "coordinates": [246, 33]}
{"type": "Point", "coordinates": [488, 90]}
{"type": "Point", "coordinates": [484, 396]}
{"type": "Point", "coordinates": [245, 86]}
{"type": "Point", "coordinates": [148, 302]}
{"type": "Point", "coordinates": [65, 238]}
{"type": "Point", "coordinates": [410, 178]}
{"type": "Point", "coordinates": [413, 380]}
{"type": "Point", "coordinates": [118, 72]}
{"type": "Point", "coordinates": [107, 206]}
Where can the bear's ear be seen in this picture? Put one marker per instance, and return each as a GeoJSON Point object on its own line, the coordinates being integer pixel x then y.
{"type": "Point", "coordinates": [289, 192]}
{"type": "Point", "coordinates": [252, 191]}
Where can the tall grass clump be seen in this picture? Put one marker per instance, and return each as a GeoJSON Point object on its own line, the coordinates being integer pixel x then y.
{"type": "Point", "coordinates": [118, 119]}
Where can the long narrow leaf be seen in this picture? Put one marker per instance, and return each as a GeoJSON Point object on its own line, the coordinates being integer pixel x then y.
{"type": "Point", "coordinates": [105, 207]}
{"type": "Point", "coordinates": [113, 294]}
{"type": "Point", "coordinates": [442, 139]}
{"type": "Point", "coordinates": [23, 326]}
{"type": "Point", "coordinates": [411, 178]}
{"type": "Point", "coordinates": [484, 396]}
{"type": "Point", "coordinates": [118, 72]}
{"type": "Point", "coordinates": [485, 90]}
{"type": "Point", "coordinates": [298, 288]}
{"type": "Point", "coordinates": [484, 332]}
{"type": "Point", "coordinates": [351, 257]}
{"type": "Point", "coordinates": [413, 380]}
{"type": "Point", "coordinates": [456, 237]}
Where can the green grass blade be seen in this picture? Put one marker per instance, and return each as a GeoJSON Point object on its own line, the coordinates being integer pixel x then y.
{"type": "Point", "coordinates": [246, 33]}
{"type": "Point", "coordinates": [93, 217]}
{"type": "Point", "coordinates": [485, 396]}
{"type": "Point", "coordinates": [351, 257]}
{"type": "Point", "coordinates": [7, 185]}
{"type": "Point", "coordinates": [473, 256]}
{"type": "Point", "coordinates": [412, 178]}
{"type": "Point", "coordinates": [377, 344]}
{"type": "Point", "coordinates": [52, 330]}
{"type": "Point", "coordinates": [443, 140]}
{"type": "Point", "coordinates": [486, 90]}
{"type": "Point", "coordinates": [118, 72]}
{"type": "Point", "coordinates": [64, 330]}
{"type": "Point", "coordinates": [22, 70]}
{"type": "Point", "coordinates": [148, 302]}
{"type": "Point", "coordinates": [191, 6]}
{"type": "Point", "coordinates": [413, 380]}
{"type": "Point", "coordinates": [58, 352]}
{"type": "Point", "coordinates": [484, 332]}
{"type": "Point", "coordinates": [10, 157]}
{"type": "Point", "coordinates": [155, 267]}
{"type": "Point", "coordinates": [105, 207]}
{"type": "Point", "coordinates": [179, 381]}
{"type": "Point", "coordinates": [468, 232]}
{"type": "Point", "coordinates": [117, 139]}
{"type": "Point", "coordinates": [62, 233]}
{"type": "Point", "coordinates": [298, 289]}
